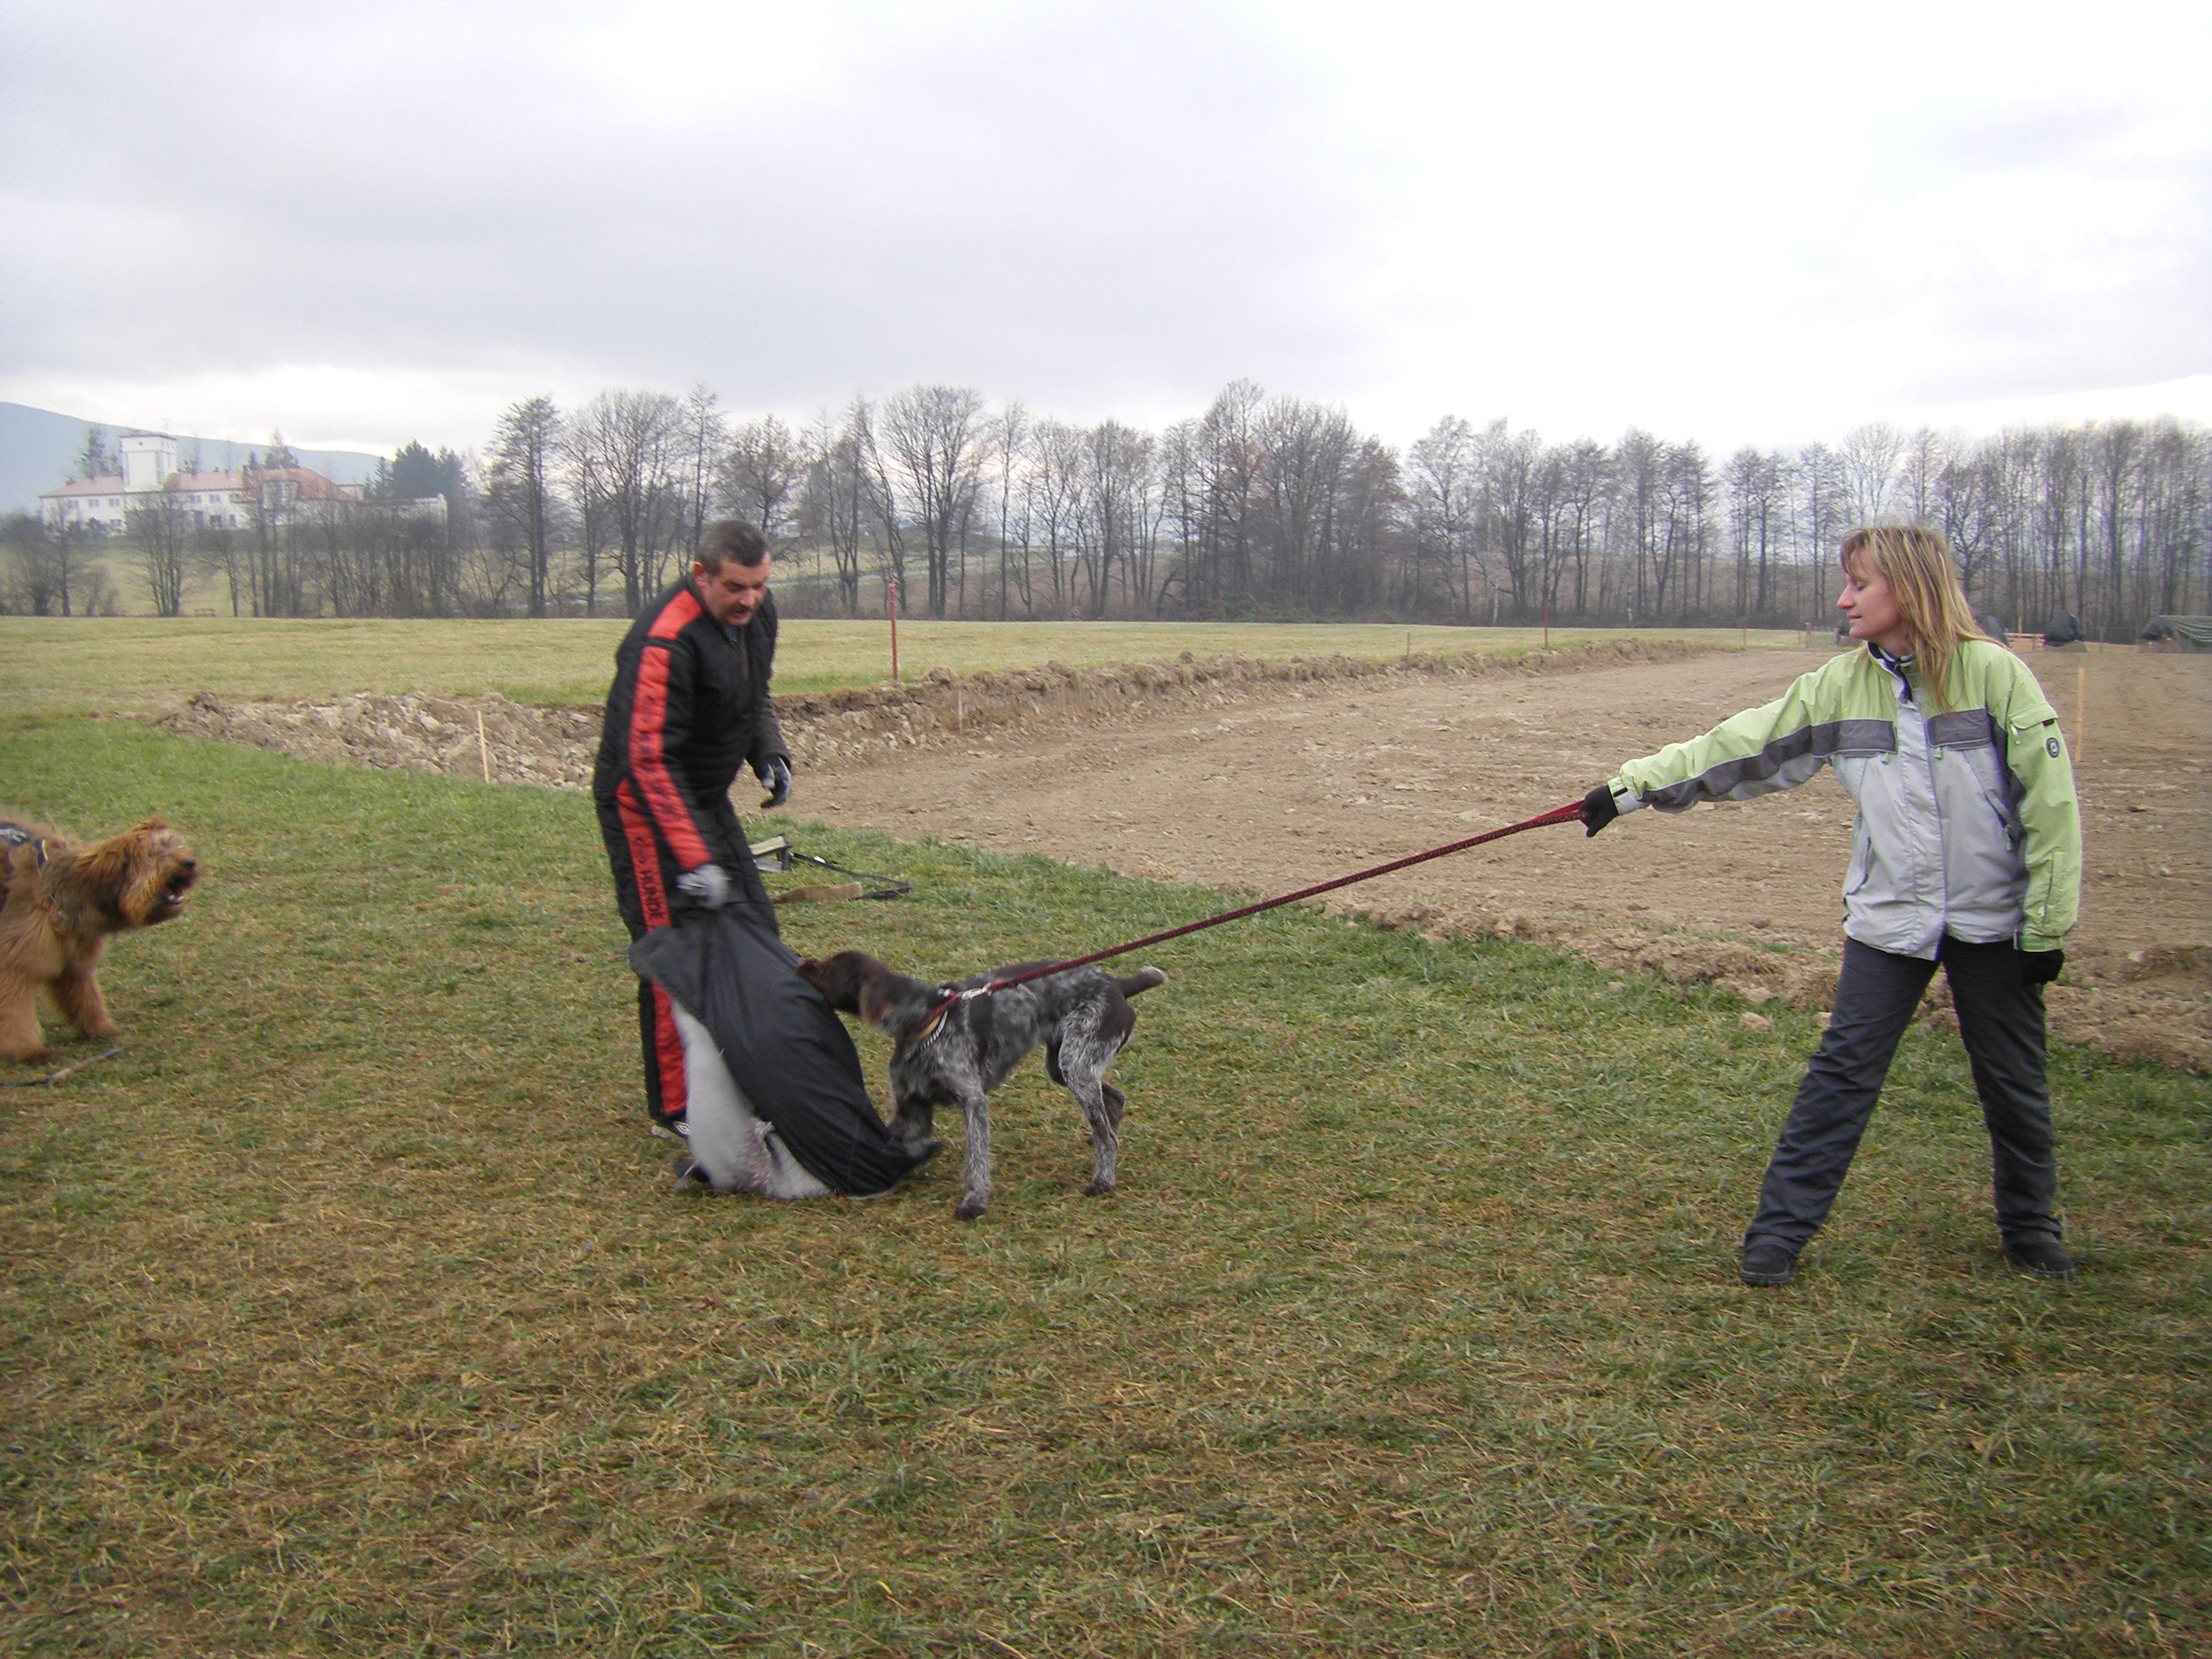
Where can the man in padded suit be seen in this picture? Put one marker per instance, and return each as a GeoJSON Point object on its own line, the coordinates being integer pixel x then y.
{"type": "Point", "coordinates": [687, 711]}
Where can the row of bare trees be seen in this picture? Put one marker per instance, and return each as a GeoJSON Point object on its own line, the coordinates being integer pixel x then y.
{"type": "Point", "coordinates": [1262, 506]}
{"type": "Point", "coordinates": [1281, 507]}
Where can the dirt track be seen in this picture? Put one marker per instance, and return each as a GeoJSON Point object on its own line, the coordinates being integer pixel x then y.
{"type": "Point", "coordinates": [1234, 775]}
{"type": "Point", "coordinates": [1291, 784]}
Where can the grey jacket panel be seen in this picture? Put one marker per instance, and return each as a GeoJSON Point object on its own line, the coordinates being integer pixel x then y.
{"type": "Point", "coordinates": [1937, 846]}
{"type": "Point", "coordinates": [1791, 759]}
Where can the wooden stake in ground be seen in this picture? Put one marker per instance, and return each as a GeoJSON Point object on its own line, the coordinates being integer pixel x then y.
{"type": "Point", "coordinates": [2081, 712]}
{"type": "Point", "coordinates": [890, 599]}
{"type": "Point", "coordinates": [484, 749]}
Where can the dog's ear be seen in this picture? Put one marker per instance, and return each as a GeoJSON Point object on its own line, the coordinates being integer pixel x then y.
{"type": "Point", "coordinates": [874, 1003]}
{"type": "Point", "coordinates": [104, 869]}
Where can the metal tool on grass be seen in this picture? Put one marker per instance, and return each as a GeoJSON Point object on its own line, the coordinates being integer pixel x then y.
{"type": "Point", "coordinates": [777, 852]}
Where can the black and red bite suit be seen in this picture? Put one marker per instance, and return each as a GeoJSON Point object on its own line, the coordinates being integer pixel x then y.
{"type": "Point", "coordinates": [687, 711]}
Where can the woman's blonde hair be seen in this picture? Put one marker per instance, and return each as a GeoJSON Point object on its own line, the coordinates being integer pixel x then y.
{"type": "Point", "coordinates": [1932, 605]}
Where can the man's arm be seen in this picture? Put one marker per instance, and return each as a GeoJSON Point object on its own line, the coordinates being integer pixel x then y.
{"type": "Point", "coordinates": [766, 752]}
{"type": "Point", "coordinates": [659, 723]}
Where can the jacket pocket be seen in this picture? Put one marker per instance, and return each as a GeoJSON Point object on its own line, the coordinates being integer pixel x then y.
{"type": "Point", "coordinates": [1861, 869]}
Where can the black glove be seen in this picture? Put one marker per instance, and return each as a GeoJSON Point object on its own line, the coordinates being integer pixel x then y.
{"type": "Point", "coordinates": [2040, 967]}
{"type": "Point", "coordinates": [708, 887]}
{"type": "Point", "coordinates": [775, 773]}
{"type": "Point", "coordinates": [1598, 809]}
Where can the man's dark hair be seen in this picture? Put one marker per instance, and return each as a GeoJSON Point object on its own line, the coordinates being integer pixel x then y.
{"type": "Point", "coordinates": [731, 541]}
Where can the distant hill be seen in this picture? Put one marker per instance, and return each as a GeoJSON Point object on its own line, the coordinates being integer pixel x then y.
{"type": "Point", "coordinates": [37, 445]}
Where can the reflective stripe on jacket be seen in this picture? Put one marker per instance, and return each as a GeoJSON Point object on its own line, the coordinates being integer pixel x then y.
{"type": "Point", "coordinates": [1967, 821]}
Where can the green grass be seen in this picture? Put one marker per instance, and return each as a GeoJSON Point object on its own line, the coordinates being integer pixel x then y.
{"type": "Point", "coordinates": [52, 665]}
{"type": "Point", "coordinates": [347, 1310]}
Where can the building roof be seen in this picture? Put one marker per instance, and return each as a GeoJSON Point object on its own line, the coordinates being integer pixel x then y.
{"type": "Point", "coordinates": [311, 485]}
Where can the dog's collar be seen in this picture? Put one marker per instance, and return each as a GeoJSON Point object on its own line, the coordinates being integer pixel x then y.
{"type": "Point", "coordinates": [933, 1022]}
{"type": "Point", "coordinates": [16, 836]}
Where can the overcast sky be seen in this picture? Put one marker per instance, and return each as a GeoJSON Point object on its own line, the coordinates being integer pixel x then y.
{"type": "Point", "coordinates": [1738, 223]}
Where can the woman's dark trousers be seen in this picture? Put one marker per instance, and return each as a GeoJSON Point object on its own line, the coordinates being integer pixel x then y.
{"type": "Point", "coordinates": [2000, 1019]}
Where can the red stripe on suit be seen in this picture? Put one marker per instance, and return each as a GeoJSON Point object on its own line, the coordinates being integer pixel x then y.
{"type": "Point", "coordinates": [648, 760]}
{"type": "Point", "coordinates": [652, 899]}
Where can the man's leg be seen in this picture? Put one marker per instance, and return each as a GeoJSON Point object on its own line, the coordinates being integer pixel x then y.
{"type": "Point", "coordinates": [642, 880]}
{"type": "Point", "coordinates": [2002, 1022]}
{"type": "Point", "coordinates": [1876, 995]}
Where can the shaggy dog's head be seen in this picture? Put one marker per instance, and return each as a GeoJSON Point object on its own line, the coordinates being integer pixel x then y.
{"type": "Point", "coordinates": [140, 877]}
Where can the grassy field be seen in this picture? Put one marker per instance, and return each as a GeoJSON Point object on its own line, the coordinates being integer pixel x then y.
{"type": "Point", "coordinates": [96, 665]}
{"type": "Point", "coordinates": [349, 1312]}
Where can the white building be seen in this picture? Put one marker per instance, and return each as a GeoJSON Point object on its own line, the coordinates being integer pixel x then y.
{"type": "Point", "coordinates": [213, 500]}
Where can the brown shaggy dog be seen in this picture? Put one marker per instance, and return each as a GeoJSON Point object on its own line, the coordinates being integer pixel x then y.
{"type": "Point", "coordinates": [58, 903]}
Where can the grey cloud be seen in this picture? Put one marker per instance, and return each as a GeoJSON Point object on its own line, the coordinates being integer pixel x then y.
{"type": "Point", "coordinates": [1068, 204]}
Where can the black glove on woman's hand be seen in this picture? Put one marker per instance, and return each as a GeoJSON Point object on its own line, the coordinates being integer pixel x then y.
{"type": "Point", "coordinates": [1598, 809]}
{"type": "Point", "coordinates": [2040, 967]}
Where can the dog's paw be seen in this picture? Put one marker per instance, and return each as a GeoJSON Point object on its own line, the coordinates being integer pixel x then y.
{"type": "Point", "coordinates": [1098, 1189]}
{"type": "Point", "coordinates": [970, 1208]}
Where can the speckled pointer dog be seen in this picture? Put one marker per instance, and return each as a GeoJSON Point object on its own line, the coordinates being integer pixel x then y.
{"type": "Point", "coordinates": [1082, 1017]}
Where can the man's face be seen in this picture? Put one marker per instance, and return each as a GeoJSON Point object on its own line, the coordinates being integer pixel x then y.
{"type": "Point", "coordinates": [732, 593]}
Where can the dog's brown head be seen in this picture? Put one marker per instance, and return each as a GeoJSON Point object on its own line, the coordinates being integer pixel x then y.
{"type": "Point", "coordinates": [852, 982]}
{"type": "Point", "coordinates": [140, 877]}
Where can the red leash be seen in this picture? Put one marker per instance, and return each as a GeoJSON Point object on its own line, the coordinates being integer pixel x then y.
{"type": "Point", "coordinates": [1570, 813]}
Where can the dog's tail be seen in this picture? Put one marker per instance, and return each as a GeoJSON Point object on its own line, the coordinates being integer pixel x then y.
{"type": "Point", "coordinates": [1143, 980]}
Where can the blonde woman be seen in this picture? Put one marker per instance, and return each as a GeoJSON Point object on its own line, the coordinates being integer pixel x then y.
{"type": "Point", "coordinates": [1967, 853]}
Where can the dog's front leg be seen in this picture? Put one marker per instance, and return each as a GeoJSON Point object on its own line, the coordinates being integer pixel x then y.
{"type": "Point", "coordinates": [976, 1163]}
{"type": "Point", "coordinates": [19, 1019]}
{"type": "Point", "coordinates": [77, 994]}
{"type": "Point", "coordinates": [917, 1117]}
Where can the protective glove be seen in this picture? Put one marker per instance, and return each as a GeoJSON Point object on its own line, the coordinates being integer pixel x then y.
{"type": "Point", "coordinates": [775, 773]}
{"type": "Point", "coordinates": [1598, 809]}
{"type": "Point", "coordinates": [708, 886]}
{"type": "Point", "coordinates": [2040, 967]}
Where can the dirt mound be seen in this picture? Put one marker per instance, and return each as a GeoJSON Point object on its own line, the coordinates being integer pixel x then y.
{"type": "Point", "coordinates": [476, 738]}
{"type": "Point", "coordinates": [489, 736]}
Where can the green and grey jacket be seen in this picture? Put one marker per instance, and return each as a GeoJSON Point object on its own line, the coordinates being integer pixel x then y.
{"type": "Point", "coordinates": [1967, 821]}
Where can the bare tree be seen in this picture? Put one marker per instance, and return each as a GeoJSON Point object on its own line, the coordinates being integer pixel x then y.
{"type": "Point", "coordinates": [706, 435]}
{"type": "Point", "coordinates": [1008, 438]}
{"type": "Point", "coordinates": [933, 433]}
{"type": "Point", "coordinates": [523, 501]}
{"type": "Point", "coordinates": [1445, 497]}
{"type": "Point", "coordinates": [1870, 455]}
{"type": "Point", "coordinates": [760, 474]}
{"type": "Point", "coordinates": [839, 503]}
{"type": "Point", "coordinates": [628, 441]}
{"type": "Point", "coordinates": [162, 533]}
